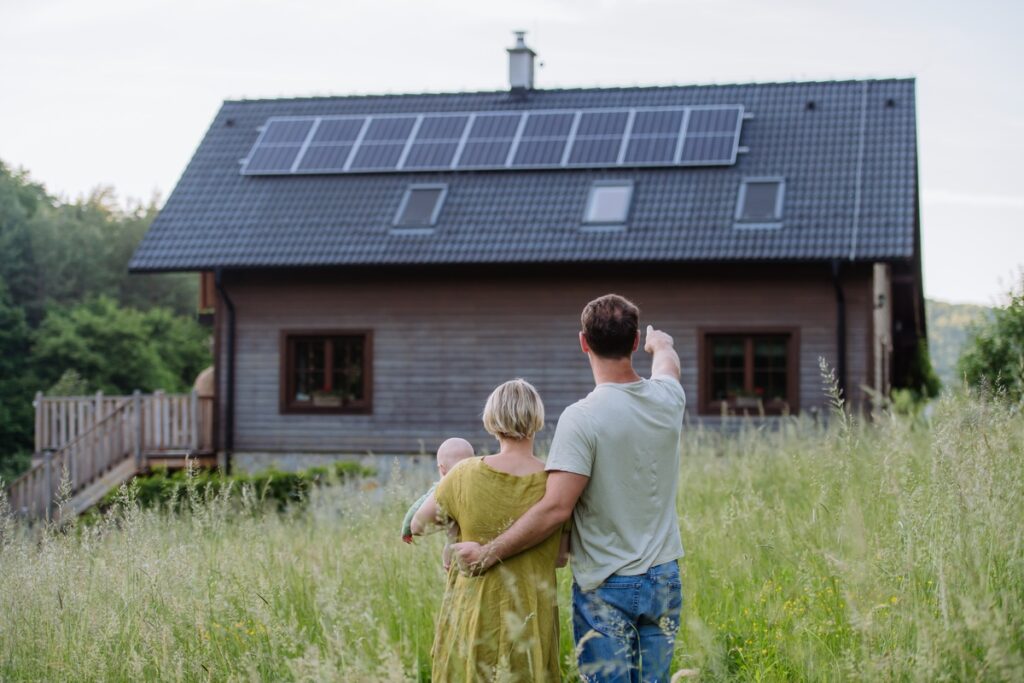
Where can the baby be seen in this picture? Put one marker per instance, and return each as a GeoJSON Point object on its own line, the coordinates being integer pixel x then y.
{"type": "Point", "coordinates": [451, 452]}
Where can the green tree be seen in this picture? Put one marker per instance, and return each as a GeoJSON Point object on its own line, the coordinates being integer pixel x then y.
{"type": "Point", "coordinates": [16, 388]}
{"type": "Point", "coordinates": [117, 350]}
{"type": "Point", "coordinates": [995, 354]}
{"type": "Point", "coordinates": [64, 253]}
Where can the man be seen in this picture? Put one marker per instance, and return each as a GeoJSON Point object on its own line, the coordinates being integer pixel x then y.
{"type": "Point", "coordinates": [614, 467]}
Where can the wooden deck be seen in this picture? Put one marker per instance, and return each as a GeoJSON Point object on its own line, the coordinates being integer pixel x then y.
{"type": "Point", "coordinates": [92, 444]}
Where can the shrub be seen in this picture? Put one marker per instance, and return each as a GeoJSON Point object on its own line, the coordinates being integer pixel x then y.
{"type": "Point", "coordinates": [175, 490]}
{"type": "Point", "coordinates": [995, 354]}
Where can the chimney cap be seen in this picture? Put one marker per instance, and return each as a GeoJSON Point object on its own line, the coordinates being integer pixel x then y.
{"type": "Point", "coordinates": [520, 45]}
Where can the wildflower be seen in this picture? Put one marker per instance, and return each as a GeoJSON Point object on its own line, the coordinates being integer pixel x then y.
{"type": "Point", "coordinates": [894, 599]}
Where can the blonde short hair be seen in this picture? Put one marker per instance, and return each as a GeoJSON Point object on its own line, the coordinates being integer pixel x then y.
{"type": "Point", "coordinates": [514, 411]}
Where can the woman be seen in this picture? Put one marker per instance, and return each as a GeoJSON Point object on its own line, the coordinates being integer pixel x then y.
{"type": "Point", "coordinates": [502, 625]}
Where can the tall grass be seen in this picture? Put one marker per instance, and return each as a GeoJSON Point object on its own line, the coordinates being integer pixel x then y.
{"type": "Point", "coordinates": [893, 550]}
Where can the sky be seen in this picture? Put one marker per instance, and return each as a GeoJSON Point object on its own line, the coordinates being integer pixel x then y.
{"type": "Point", "coordinates": [119, 92]}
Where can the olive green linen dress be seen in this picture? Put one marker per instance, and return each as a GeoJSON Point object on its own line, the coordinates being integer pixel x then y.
{"type": "Point", "coordinates": [503, 625]}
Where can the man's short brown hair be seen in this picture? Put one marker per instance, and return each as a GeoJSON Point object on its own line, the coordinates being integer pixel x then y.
{"type": "Point", "coordinates": [609, 325]}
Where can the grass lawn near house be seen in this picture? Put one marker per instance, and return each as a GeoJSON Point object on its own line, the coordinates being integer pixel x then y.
{"type": "Point", "coordinates": [890, 551]}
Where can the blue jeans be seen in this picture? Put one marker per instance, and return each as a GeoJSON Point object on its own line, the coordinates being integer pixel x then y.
{"type": "Point", "coordinates": [625, 629]}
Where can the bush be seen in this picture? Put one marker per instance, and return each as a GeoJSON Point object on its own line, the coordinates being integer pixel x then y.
{"type": "Point", "coordinates": [174, 491]}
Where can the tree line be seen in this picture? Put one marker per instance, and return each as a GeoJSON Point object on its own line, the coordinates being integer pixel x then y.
{"type": "Point", "coordinates": [72, 320]}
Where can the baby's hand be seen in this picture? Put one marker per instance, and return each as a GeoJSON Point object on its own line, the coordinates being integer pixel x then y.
{"type": "Point", "coordinates": [407, 538]}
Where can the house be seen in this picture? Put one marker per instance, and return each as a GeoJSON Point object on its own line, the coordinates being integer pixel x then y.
{"type": "Point", "coordinates": [380, 263]}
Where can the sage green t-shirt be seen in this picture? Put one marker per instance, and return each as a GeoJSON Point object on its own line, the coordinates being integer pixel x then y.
{"type": "Point", "coordinates": [625, 437]}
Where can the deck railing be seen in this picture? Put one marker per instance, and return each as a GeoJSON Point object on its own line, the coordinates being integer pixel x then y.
{"type": "Point", "coordinates": [173, 422]}
{"type": "Point", "coordinates": [92, 443]}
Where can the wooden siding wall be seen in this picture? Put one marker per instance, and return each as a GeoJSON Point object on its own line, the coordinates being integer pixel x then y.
{"type": "Point", "coordinates": [442, 344]}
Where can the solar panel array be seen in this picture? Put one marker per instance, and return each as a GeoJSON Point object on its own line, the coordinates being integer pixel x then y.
{"type": "Point", "coordinates": [602, 138]}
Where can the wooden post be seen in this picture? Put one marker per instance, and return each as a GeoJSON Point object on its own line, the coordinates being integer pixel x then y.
{"type": "Point", "coordinates": [193, 404]}
{"type": "Point", "coordinates": [137, 409]}
{"type": "Point", "coordinates": [97, 448]}
{"type": "Point", "coordinates": [48, 461]}
{"type": "Point", "coordinates": [156, 429]}
{"type": "Point", "coordinates": [38, 404]}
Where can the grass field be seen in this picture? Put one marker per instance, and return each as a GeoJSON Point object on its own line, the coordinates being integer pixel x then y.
{"type": "Point", "coordinates": [889, 552]}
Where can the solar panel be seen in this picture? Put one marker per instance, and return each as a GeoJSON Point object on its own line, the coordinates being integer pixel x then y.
{"type": "Point", "coordinates": [431, 155]}
{"type": "Point", "coordinates": [442, 128]}
{"type": "Point", "coordinates": [579, 138]}
{"type": "Point", "coordinates": [388, 129]}
{"type": "Point", "coordinates": [343, 130]}
{"type": "Point", "coordinates": [658, 122]}
{"type": "Point", "coordinates": [713, 121]}
{"type": "Point", "coordinates": [379, 156]}
{"type": "Point", "coordinates": [325, 158]}
{"type": "Point", "coordinates": [489, 141]}
{"type": "Point", "coordinates": [484, 154]}
{"type": "Point", "coordinates": [595, 151]}
{"type": "Point", "coordinates": [489, 126]}
{"type": "Point", "coordinates": [543, 139]}
{"type": "Point", "coordinates": [706, 149]}
{"type": "Point", "coordinates": [287, 131]}
{"type": "Point", "coordinates": [602, 123]}
{"type": "Point", "coordinates": [651, 150]}
{"type": "Point", "coordinates": [273, 159]}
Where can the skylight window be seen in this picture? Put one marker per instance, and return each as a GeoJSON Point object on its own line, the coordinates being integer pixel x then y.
{"type": "Point", "coordinates": [420, 207]}
{"type": "Point", "coordinates": [608, 202]}
{"type": "Point", "coordinates": [760, 202]}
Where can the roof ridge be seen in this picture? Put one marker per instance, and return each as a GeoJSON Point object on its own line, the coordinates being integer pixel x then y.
{"type": "Point", "coordinates": [581, 90]}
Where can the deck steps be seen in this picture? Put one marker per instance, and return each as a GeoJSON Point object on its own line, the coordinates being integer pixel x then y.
{"type": "Point", "coordinates": [94, 444]}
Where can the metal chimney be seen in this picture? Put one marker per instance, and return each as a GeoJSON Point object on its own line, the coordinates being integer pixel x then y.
{"type": "Point", "coordinates": [520, 65]}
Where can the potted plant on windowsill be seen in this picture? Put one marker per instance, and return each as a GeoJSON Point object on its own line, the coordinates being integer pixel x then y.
{"type": "Point", "coordinates": [745, 400]}
{"type": "Point", "coordinates": [326, 399]}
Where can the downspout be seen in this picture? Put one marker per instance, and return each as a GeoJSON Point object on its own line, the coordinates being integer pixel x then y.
{"type": "Point", "coordinates": [229, 407]}
{"type": "Point", "coordinates": [840, 328]}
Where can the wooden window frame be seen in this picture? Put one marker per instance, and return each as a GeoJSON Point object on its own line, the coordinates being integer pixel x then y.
{"type": "Point", "coordinates": [707, 406]}
{"type": "Point", "coordinates": [287, 389]}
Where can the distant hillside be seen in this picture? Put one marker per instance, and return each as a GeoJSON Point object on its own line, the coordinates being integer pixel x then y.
{"type": "Point", "coordinates": [949, 327]}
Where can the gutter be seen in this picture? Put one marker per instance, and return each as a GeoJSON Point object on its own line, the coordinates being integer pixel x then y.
{"type": "Point", "coordinates": [229, 408]}
{"type": "Point", "coordinates": [840, 328]}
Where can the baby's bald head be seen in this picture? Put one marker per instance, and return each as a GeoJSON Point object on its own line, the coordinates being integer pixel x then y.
{"type": "Point", "coordinates": [452, 451]}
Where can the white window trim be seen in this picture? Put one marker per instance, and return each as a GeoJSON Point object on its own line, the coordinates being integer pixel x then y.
{"type": "Point", "coordinates": [746, 224]}
{"type": "Point", "coordinates": [605, 225]}
{"type": "Point", "coordinates": [398, 226]}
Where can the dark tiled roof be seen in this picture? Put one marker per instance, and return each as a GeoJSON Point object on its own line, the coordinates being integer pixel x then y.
{"type": "Point", "coordinates": [866, 129]}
